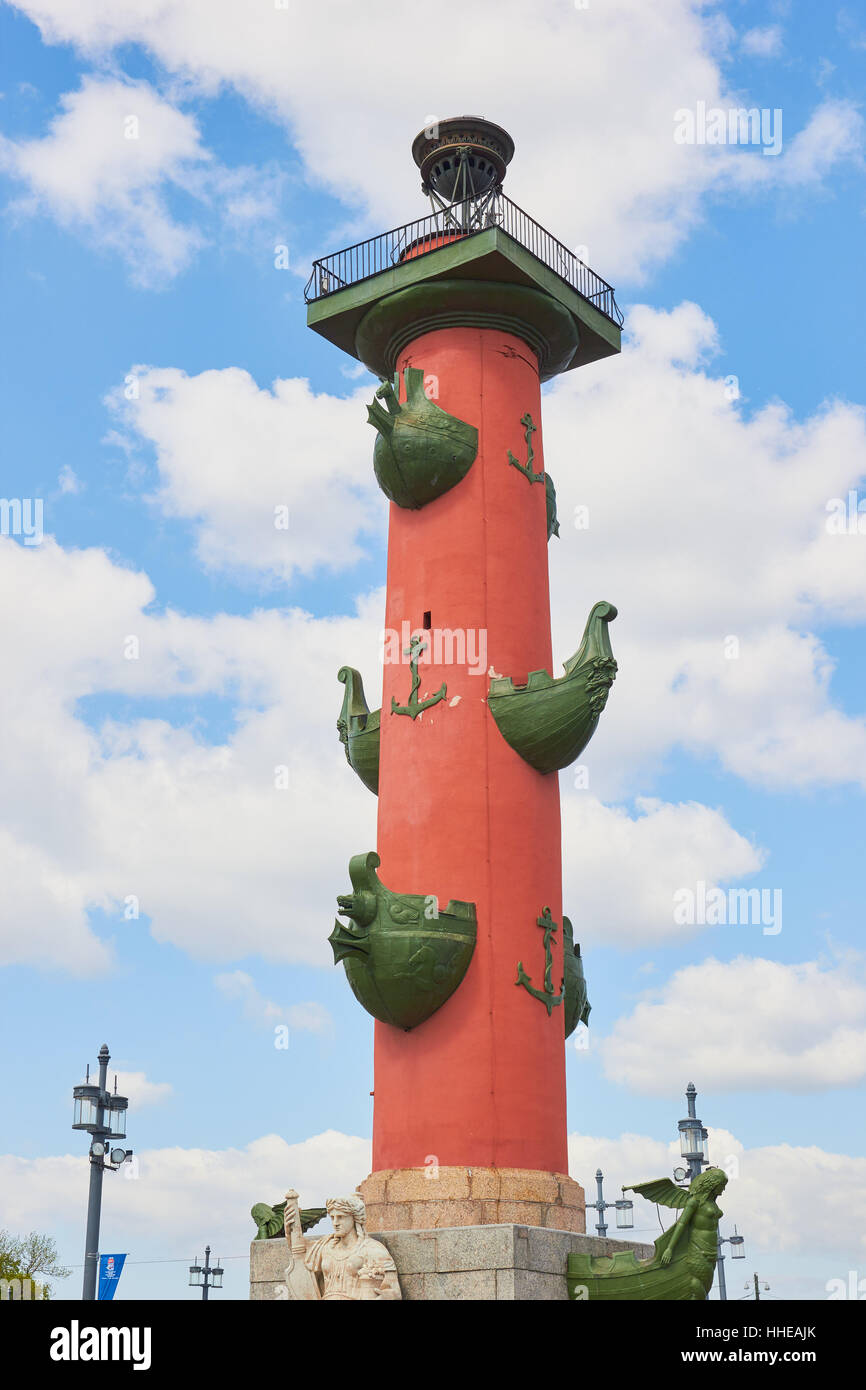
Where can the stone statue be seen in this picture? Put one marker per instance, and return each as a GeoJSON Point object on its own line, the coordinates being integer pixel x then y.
{"type": "Point", "coordinates": [347, 1265]}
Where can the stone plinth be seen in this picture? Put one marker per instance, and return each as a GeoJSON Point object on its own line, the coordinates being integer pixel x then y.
{"type": "Point", "coordinates": [487, 1263]}
{"type": "Point", "coordinates": [410, 1199]}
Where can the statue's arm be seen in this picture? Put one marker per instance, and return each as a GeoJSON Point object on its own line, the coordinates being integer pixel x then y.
{"type": "Point", "coordinates": [390, 1287]}
{"type": "Point", "coordinates": [298, 1243]}
{"type": "Point", "coordinates": [684, 1222]}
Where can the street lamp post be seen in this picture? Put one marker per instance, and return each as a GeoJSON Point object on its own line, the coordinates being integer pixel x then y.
{"type": "Point", "coordinates": [693, 1147]}
{"type": "Point", "coordinates": [205, 1276]}
{"type": "Point", "coordinates": [92, 1104]}
{"type": "Point", "coordinates": [693, 1136]}
{"type": "Point", "coordinates": [623, 1208]}
{"type": "Point", "coordinates": [737, 1253]}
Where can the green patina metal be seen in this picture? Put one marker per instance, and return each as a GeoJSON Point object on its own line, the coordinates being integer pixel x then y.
{"type": "Point", "coordinates": [403, 957]}
{"type": "Point", "coordinates": [550, 721]}
{"type": "Point", "coordinates": [684, 1262]}
{"type": "Point", "coordinates": [486, 280]}
{"type": "Point", "coordinates": [269, 1220]}
{"type": "Point", "coordinates": [546, 995]}
{"type": "Point", "coordinates": [395, 320]}
{"type": "Point", "coordinates": [577, 1006]}
{"type": "Point", "coordinates": [526, 468]}
{"type": "Point", "coordinates": [415, 706]}
{"type": "Point", "coordinates": [358, 728]}
{"type": "Point", "coordinates": [550, 499]}
{"type": "Point", "coordinates": [421, 451]}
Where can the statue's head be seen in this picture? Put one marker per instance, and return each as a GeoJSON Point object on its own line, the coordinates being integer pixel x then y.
{"type": "Point", "coordinates": [710, 1183]}
{"type": "Point", "coordinates": [347, 1214]}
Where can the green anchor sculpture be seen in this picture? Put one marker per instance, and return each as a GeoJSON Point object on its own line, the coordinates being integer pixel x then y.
{"type": "Point", "coordinates": [546, 995]}
{"type": "Point", "coordinates": [417, 645]}
{"type": "Point", "coordinates": [421, 451]}
{"type": "Point", "coordinates": [684, 1261]}
{"type": "Point", "coordinates": [526, 468]}
{"type": "Point", "coordinates": [403, 955]}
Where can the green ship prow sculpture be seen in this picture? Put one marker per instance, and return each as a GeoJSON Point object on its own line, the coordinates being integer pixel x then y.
{"type": "Point", "coordinates": [403, 955]}
{"type": "Point", "coordinates": [550, 721]}
{"type": "Point", "coordinates": [684, 1262]}
{"type": "Point", "coordinates": [358, 728]}
{"type": "Point", "coordinates": [577, 1005]}
{"type": "Point", "coordinates": [421, 451]}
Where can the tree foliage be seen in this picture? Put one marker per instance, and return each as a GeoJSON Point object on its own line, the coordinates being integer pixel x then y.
{"type": "Point", "coordinates": [32, 1257]}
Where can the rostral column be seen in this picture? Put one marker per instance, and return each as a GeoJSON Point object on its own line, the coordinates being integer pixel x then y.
{"type": "Point", "coordinates": [453, 936]}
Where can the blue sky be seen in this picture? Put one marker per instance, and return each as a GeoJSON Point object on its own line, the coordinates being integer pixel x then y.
{"type": "Point", "coordinates": [151, 777]}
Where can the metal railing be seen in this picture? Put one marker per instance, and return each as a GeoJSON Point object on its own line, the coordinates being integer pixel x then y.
{"type": "Point", "coordinates": [368, 258]}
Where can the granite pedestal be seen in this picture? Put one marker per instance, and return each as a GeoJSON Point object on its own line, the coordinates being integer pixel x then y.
{"type": "Point", "coordinates": [470, 1263]}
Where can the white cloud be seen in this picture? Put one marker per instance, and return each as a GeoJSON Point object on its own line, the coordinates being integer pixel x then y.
{"type": "Point", "coordinates": [109, 168]}
{"type": "Point", "coordinates": [136, 1087]}
{"type": "Point", "coordinates": [624, 870]}
{"type": "Point", "coordinates": [767, 1184]}
{"type": "Point", "coordinates": [68, 481]}
{"type": "Point", "coordinates": [176, 1198]}
{"type": "Point", "coordinates": [278, 482]}
{"type": "Point", "coordinates": [745, 1024]}
{"type": "Point", "coordinates": [171, 1199]}
{"type": "Point", "coordinates": [762, 42]}
{"type": "Point", "coordinates": [309, 1017]}
{"type": "Point", "coordinates": [712, 526]}
{"type": "Point", "coordinates": [705, 525]}
{"type": "Point", "coordinates": [43, 911]}
{"type": "Point", "coordinates": [202, 835]}
{"type": "Point", "coordinates": [599, 172]}
{"type": "Point", "coordinates": [198, 834]}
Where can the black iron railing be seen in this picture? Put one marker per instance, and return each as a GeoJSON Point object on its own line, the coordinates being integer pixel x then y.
{"type": "Point", "coordinates": [426, 234]}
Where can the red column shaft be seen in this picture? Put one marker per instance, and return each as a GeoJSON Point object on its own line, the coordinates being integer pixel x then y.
{"type": "Point", "coordinates": [482, 1082]}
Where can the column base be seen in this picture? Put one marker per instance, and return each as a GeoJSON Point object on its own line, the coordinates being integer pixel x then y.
{"type": "Point", "coordinates": [421, 1199]}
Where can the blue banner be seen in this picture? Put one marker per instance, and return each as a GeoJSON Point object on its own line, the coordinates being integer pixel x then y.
{"type": "Point", "coordinates": [110, 1268]}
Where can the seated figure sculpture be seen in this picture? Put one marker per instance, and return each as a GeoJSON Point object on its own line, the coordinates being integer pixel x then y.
{"type": "Point", "coordinates": [346, 1265]}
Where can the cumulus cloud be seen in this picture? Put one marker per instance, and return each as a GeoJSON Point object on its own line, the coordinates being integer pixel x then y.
{"type": "Point", "coordinates": [201, 836]}
{"type": "Point", "coordinates": [136, 1086]}
{"type": "Point", "coordinates": [68, 480]}
{"type": "Point", "coordinates": [164, 1201]}
{"type": "Point", "coordinates": [624, 870]}
{"type": "Point", "coordinates": [745, 1024]}
{"type": "Point", "coordinates": [766, 1184]}
{"type": "Point", "coordinates": [309, 1017]}
{"type": "Point", "coordinates": [709, 534]}
{"type": "Point", "coordinates": [110, 165]}
{"type": "Point", "coordinates": [600, 173]}
{"type": "Point", "coordinates": [275, 482]}
{"type": "Point", "coordinates": [707, 527]}
{"type": "Point", "coordinates": [762, 42]}
{"type": "Point", "coordinates": [254, 827]}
